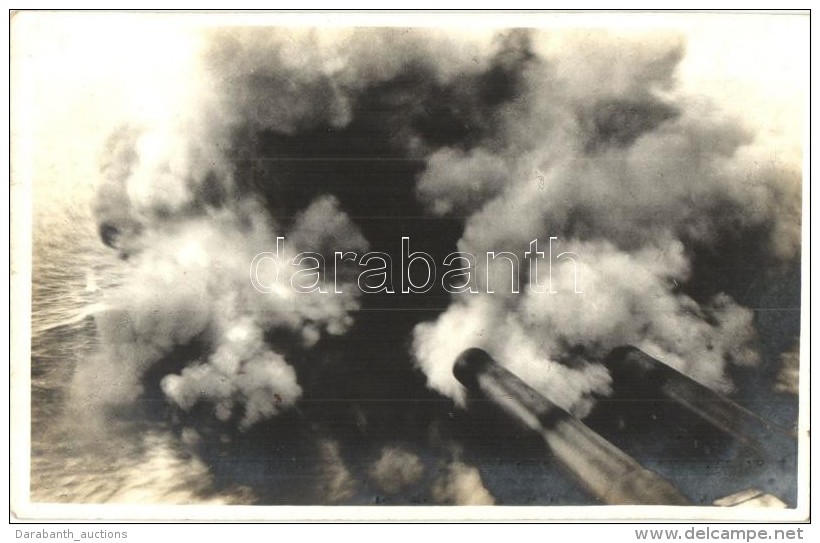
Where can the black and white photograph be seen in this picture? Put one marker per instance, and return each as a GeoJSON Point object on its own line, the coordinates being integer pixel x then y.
{"type": "Point", "coordinates": [390, 264]}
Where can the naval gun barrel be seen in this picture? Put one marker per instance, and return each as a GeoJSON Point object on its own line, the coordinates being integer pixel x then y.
{"type": "Point", "coordinates": [605, 471]}
{"type": "Point", "coordinates": [639, 374]}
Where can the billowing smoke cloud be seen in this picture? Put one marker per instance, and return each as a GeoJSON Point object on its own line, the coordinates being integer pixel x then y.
{"type": "Point", "coordinates": [293, 79]}
{"type": "Point", "coordinates": [580, 137]}
{"type": "Point", "coordinates": [190, 385]}
{"type": "Point", "coordinates": [179, 205]}
{"type": "Point", "coordinates": [190, 283]}
{"type": "Point", "coordinates": [599, 151]}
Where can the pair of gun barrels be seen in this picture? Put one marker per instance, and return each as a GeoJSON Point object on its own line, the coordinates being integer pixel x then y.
{"type": "Point", "coordinates": [604, 470]}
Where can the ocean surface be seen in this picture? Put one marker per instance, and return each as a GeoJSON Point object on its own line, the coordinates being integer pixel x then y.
{"type": "Point", "coordinates": [75, 456]}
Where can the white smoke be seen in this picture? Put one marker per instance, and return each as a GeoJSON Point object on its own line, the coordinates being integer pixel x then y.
{"type": "Point", "coordinates": [176, 205]}
{"type": "Point", "coordinates": [601, 152]}
{"type": "Point", "coordinates": [592, 140]}
{"type": "Point", "coordinates": [596, 146]}
{"type": "Point", "coordinates": [191, 280]}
